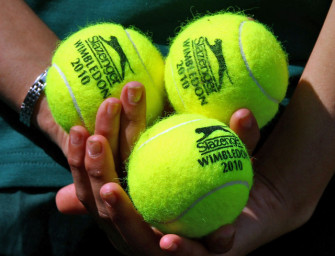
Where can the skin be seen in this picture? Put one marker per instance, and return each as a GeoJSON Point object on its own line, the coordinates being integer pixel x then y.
{"type": "Point", "coordinates": [21, 51]}
{"type": "Point", "coordinates": [291, 170]}
{"type": "Point", "coordinates": [288, 181]}
{"type": "Point", "coordinates": [97, 186]}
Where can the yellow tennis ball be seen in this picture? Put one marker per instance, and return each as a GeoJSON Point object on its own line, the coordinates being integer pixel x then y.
{"type": "Point", "coordinates": [189, 175]}
{"type": "Point", "coordinates": [223, 62]}
{"type": "Point", "coordinates": [95, 63]}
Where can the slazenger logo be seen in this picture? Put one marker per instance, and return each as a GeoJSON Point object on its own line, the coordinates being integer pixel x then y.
{"type": "Point", "coordinates": [102, 60]}
{"type": "Point", "coordinates": [216, 146]}
{"type": "Point", "coordinates": [208, 143]}
{"type": "Point", "coordinates": [216, 48]}
{"type": "Point", "coordinates": [203, 67]}
{"type": "Point", "coordinates": [114, 43]}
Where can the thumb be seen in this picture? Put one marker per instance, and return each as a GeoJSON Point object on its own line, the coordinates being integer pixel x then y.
{"type": "Point", "coordinates": [244, 124]}
{"type": "Point", "coordinates": [67, 201]}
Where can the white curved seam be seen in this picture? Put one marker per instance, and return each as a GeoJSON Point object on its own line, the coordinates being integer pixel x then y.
{"type": "Point", "coordinates": [166, 131]}
{"type": "Point", "coordinates": [249, 69]}
{"type": "Point", "coordinates": [232, 183]}
{"type": "Point", "coordinates": [75, 103]}
{"type": "Point", "coordinates": [139, 56]}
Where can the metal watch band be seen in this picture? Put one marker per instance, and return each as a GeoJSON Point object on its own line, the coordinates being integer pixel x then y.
{"type": "Point", "coordinates": [34, 93]}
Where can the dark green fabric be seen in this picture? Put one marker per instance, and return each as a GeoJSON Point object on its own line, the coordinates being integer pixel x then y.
{"type": "Point", "coordinates": [296, 23]}
{"type": "Point", "coordinates": [27, 158]}
{"type": "Point", "coordinates": [32, 169]}
{"type": "Point", "coordinates": [24, 164]}
{"type": "Point", "coordinates": [31, 225]}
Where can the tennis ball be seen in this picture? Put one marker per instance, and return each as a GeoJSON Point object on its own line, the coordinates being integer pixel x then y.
{"type": "Point", "coordinates": [189, 175]}
{"type": "Point", "coordinates": [220, 63]}
{"type": "Point", "coordinates": [95, 63]}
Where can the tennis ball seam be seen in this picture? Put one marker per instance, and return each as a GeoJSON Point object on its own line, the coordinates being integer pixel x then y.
{"type": "Point", "coordinates": [184, 196]}
{"type": "Point", "coordinates": [248, 67]}
{"type": "Point", "coordinates": [73, 97]}
{"type": "Point", "coordinates": [265, 93]}
{"type": "Point", "coordinates": [182, 214]}
{"type": "Point", "coordinates": [139, 56]}
{"type": "Point", "coordinates": [166, 131]}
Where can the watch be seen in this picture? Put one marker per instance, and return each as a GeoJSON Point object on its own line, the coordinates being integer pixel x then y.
{"type": "Point", "coordinates": [34, 93]}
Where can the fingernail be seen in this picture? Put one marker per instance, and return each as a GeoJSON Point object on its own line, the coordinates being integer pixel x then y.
{"type": "Point", "coordinates": [246, 120]}
{"type": "Point", "coordinates": [170, 246]}
{"type": "Point", "coordinates": [75, 137]}
{"type": "Point", "coordinates": [109, 197]}
{"type": "Point", "coordinates": [94, 148]}
{"type": "Point", "coordinates": [112, 108]}
{"type": "Point", "coordinates": [134, 94]}
{"type": "Point", "coordinates": [173, 247]}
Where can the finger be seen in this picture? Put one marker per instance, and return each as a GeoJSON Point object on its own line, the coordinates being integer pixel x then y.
{"type": "Point", "coordinates": [108, 123]}
{"type": "Point", "coordinates": [138, 234]}
{"type": "Point", "coordinates": [67, 201]}
{"type": "Point", "coordinates": [76, 159]}
{"type": "Point", "coordinates": [220, 241]}
{"type": "Point", "coordinates": [133, 117]}
{"type": "Point", "coordinates": [245, 125]}
{"type": "Point", "coordinates": [100, 167]}
{"type": "Point", "coordinates": [177, 245]}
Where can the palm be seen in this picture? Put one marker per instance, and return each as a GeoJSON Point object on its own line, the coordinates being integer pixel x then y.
{"type": "Point", "coordinates": [266, 217]}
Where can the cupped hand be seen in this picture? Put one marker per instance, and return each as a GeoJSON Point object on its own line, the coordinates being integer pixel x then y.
{"type": "Point", "coordinates": [147, 241]}
{"type": "Point", "coordinates": [272, 209]}
{"type": "Point", "coordinates": [97, 184]}
{"type": "Point", "coordinates": [222, 240]}
{"type": "Point", "coordinates": [119, 123]}
{"type": "Point", "coordinates": [98, 189]}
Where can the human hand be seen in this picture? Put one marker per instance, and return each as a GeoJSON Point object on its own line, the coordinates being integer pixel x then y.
{"type": "Point", "coordinates": [283, 197]}
{"type": "Point", "coordinates": [269, 213]}
{"type": "Point", "coordinates": [292, 169]}
{"type": "Point", "coordinates": [91, 159]}
{"type": "Point", "coordinates": [222, 240]}
{"type": "Point", "coordinates": [140, 236]}
{"type": "Point", "coordinates": [104, 197]}
{"type": "Point", "coordinates": [43, 119]}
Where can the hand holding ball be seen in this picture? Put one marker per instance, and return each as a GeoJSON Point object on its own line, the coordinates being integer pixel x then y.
{"type": "Point", "coordinates": [189, 175]}
{"type": "Point", "coordinates": [94, 64]}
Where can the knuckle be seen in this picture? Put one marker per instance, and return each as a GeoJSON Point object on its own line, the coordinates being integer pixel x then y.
{"type": "Point", "coordinates": [82, 197]}
{"type": "Point", "coordinates": [112, 215]}
{"type": "Point", "coordinates": [95, 172]}
{"type": "Point", "coordinates": [75, 162]}
{"type": "Point", "coordinates": [137, 124]}
{"type": "Point", "coordinates": [104, 214]}
{"type": "Point", "coordinates": [107, 129]}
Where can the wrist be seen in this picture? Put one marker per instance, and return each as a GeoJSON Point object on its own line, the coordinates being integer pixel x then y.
{"type": "Point", "coordinates": [43, 120]}
{"type": "Point", "coordinates": [35, 111]}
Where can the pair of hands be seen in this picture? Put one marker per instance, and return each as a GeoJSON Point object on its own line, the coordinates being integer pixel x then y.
{"type": "Point", "coordinates": [292, 168]}
{"type": "Point", "coordinates": [96, 165]}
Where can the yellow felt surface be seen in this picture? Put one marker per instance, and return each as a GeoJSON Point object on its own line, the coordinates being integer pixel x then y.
{"type": "Point", "coordinates": [182, 159]}
{"type": "Point", "coordinates": [206, 74]}
{"type": "Point", "coordinates": [97, 62]}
